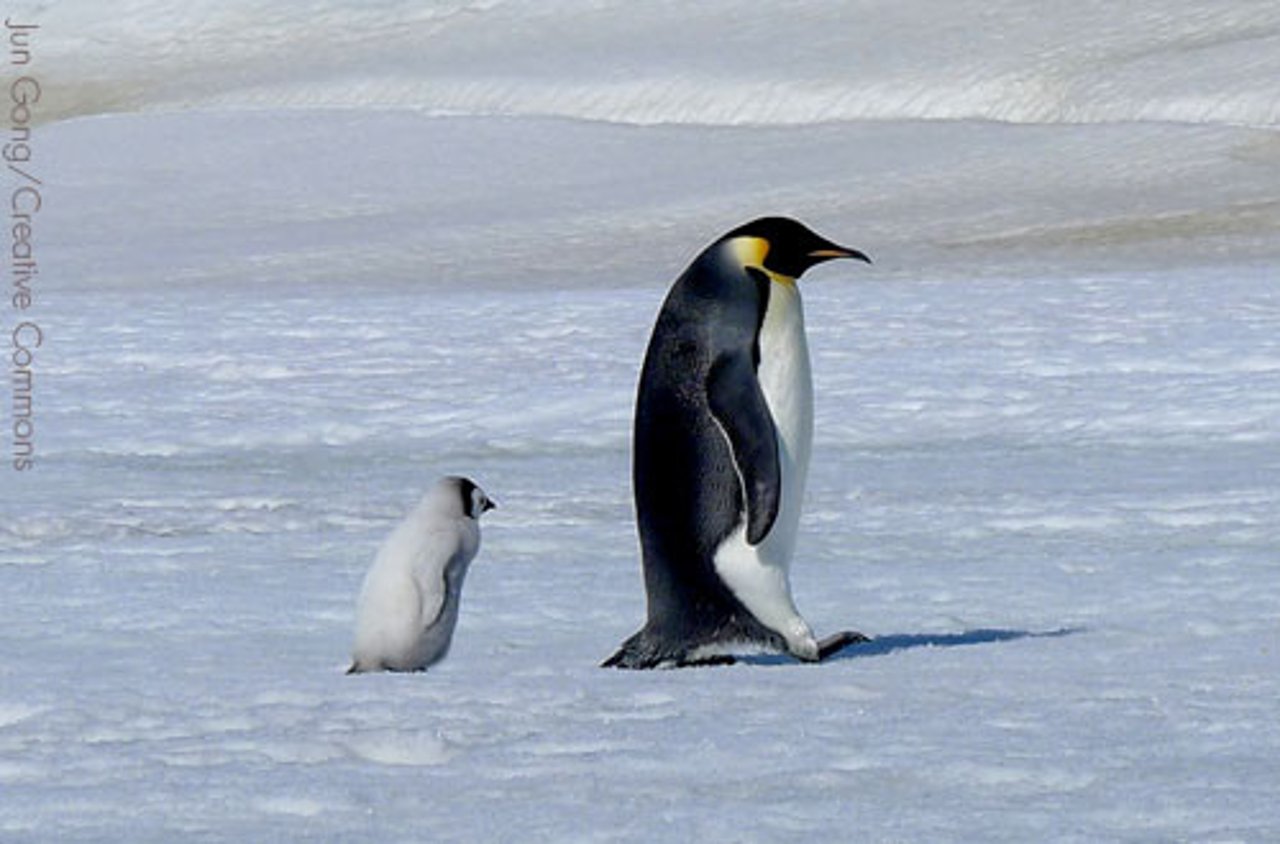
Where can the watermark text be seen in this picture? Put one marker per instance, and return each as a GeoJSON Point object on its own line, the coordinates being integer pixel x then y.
{"type": "Point", "coordinates": [26, 198]}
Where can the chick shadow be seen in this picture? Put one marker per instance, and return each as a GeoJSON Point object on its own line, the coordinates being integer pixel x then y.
{"type": "Point", "coordinates": [894, 642]}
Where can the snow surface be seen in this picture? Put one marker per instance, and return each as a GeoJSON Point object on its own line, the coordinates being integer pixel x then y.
{"type": "Point", "coordinates": [298, 260]}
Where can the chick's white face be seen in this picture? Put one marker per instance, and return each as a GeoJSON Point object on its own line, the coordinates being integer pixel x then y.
{"type": "Point", "coordinates": [479, 503]}
{"type": "Point", "coordinates": [456, 497]}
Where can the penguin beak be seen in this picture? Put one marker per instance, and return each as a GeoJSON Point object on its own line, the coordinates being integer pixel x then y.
{"type": "Point", "coordinates": [489, 504]}
{"type": "Point", "coordinates": [827, 253]}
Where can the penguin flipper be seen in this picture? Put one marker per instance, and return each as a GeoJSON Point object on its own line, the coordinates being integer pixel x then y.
{"type": "Point", "coordinates": [738, 405]}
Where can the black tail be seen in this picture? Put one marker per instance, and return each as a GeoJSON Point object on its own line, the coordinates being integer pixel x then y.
{"type": "Point", "coordinates": [654, 647]}
{"type": "Point", "coordinates": [640, 651]}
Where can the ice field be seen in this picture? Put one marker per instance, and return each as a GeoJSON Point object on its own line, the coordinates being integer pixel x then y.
{"type": "Point", "coordinates": [297, 260]}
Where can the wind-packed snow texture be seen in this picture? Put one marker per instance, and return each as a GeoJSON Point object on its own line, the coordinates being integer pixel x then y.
{"type": "Point", "coordinates": [297, 260]}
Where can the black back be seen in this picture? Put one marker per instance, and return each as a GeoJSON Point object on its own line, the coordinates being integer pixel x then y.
{"type": "Point", "coordinates": [688, 494]}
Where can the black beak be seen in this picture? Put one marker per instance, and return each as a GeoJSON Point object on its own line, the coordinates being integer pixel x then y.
{"type": "Point", "coordinates": [827, 253]}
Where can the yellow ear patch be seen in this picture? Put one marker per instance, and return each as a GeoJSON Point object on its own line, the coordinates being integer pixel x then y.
{"type": "Point", "coordinates": [751, 252]}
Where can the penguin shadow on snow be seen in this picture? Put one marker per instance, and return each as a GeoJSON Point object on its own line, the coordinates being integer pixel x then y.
{"type": "Point", "coordinates": [894, 642]}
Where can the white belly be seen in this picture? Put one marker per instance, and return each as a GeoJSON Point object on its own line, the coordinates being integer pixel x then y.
{"type": "Point", "coordinates": [788, 390]}
{"type": "Point", "coordinates": [758, 575]}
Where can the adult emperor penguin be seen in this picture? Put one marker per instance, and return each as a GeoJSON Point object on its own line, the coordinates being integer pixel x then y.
{"type": "Point", "coordinates": [723, 427]}
{"type": "Point", "coordinates": [408, 604]}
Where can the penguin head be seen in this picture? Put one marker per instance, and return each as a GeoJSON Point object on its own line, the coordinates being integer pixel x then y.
{"type": "Point", "coordinates": [783, 248]}
{"type": "Point", "coordinates": [471, 499]}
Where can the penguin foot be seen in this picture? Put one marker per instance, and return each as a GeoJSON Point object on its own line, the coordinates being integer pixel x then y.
{"type": "Point", "coordinates": [839, 641]}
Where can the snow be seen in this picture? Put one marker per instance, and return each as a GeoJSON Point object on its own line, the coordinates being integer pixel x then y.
{"type": "Point", "coordinates": [284, 288]}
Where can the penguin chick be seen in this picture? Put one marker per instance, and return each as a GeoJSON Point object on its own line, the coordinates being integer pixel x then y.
{"type": "Point", "coordinates": [408, 605]}
{"type": "Point", "coordinates": [723, 429]}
